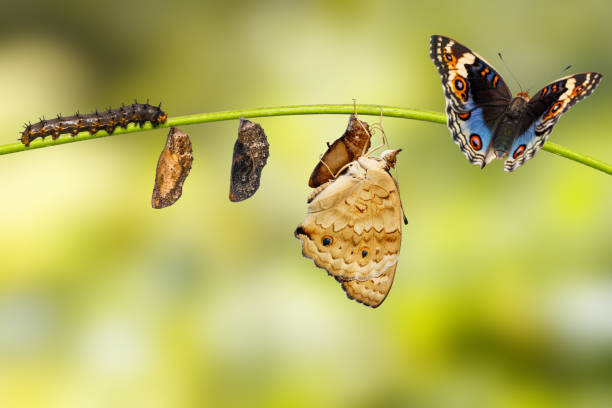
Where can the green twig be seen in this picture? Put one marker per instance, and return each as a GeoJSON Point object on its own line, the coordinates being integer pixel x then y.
{"type": "Point", "coordinates": [577, 157]}
{"type": "Point", "coordinates": [391, 111]}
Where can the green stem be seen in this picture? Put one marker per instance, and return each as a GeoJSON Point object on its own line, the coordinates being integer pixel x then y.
{"type": "Point", "coordinates": [375, 110]}
{"type": "Point", "coordinates": [577, 157]}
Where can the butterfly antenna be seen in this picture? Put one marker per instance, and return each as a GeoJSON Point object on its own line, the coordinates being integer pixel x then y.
{"type": "Point", "coordinates": [396, 181]}
{"type": "Point", "coordinates": [499, 54]}
{"type": "Point", "coordinates": [564, 70]}
{"type": "Point", "coordinates": [562, 73]}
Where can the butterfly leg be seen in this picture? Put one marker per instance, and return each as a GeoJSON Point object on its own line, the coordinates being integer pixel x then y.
{"type": "Point", "coordinates": [372, 150]}
{"type": "Point", "coordinates": [326, 166]}
{"type": "Point", "coordinates": [363, 151]}
{"type": "Point", "coordinates": [382, 131]}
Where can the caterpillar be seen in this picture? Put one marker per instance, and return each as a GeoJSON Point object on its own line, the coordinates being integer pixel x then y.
{"type": "Point", "coordinates": [139, 113]}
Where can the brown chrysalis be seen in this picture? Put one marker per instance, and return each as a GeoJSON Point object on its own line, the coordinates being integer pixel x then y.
{"type": "Point", "coordinates": [251, 152]}
{"type": "Point", "coordinates": [352, 144]}
{"type": "Point", "coordinates": [172, 169]}
{"type": "Point", "coordinates": [93, 122]}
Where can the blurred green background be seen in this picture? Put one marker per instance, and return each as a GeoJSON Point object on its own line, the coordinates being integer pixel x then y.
{"type": "Point", "coordinates": [503, 294]}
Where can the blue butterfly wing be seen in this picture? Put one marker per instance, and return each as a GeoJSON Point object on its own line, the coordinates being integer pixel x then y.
{"type": "Point", "coordinates": [543, 112]}
{"type": "Point", "coordinates": [476, 97]}
{"type": "Point", "coordinates": [471, 133]}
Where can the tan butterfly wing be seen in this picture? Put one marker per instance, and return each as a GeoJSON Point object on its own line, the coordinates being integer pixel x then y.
{"type": "Point", "coordinates": [371, 292]}
{"type": "Point", "coordinates": [353, 230]}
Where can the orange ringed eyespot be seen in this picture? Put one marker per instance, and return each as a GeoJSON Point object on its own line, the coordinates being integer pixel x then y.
{"type": "Point", "coordinates": [459, 84]}
{"type": "Point", "coordinates": [475, 142]}
{"type": "Point", "coordinates": [519, 151]}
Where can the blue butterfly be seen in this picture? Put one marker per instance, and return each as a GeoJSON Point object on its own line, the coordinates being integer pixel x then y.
{"type": "Point", "coordinates": [483, 117]}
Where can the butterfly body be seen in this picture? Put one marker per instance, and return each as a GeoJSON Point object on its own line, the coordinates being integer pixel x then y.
{"type": "Point", "coordinates": [508, 125]}
{"type": "Point", "coordinates": [483, 117]}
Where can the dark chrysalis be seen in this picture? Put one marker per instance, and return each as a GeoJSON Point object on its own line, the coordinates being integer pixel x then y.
{"type": "Point", "coordinates": [139, 113]}
{"type": "Point", "coordinates": [352, 144]}
{"type": "Point", "coordinates": [172, 169]}
{"type": "Point", "coordinates": [251, 152]}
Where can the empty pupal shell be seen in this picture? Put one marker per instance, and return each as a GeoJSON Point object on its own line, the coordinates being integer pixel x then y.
{"type": "Point", "coordinates": [352, 144]}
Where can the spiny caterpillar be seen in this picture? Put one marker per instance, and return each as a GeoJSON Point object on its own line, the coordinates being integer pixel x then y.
{"type": "Point", "coordinates": [139, 113]}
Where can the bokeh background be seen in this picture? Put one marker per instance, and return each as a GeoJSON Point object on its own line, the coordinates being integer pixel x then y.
{"type": "Point", "coordinates": [503, 294]}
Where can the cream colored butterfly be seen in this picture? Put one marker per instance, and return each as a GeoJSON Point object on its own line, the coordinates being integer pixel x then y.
{"type": "Point", "coordinates": [353, 228]}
